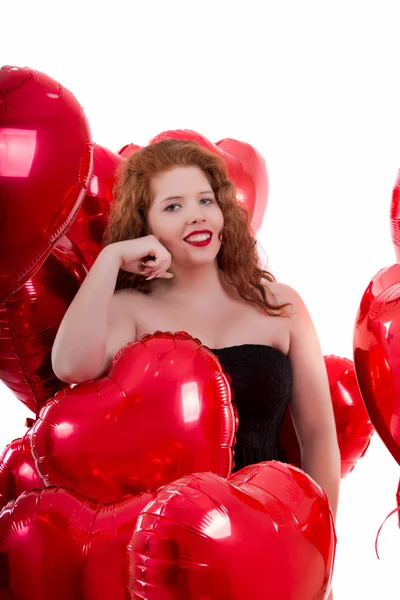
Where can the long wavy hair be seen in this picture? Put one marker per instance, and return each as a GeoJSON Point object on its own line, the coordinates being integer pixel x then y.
{"type": "Point", "coordinates": [237, 258]}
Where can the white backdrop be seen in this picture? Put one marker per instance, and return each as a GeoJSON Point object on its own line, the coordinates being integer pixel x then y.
{"type": "Point", "coordinates": [315, 87]}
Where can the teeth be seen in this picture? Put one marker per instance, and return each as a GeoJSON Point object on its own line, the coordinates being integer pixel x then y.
{"type": "Point", "coordinates": [201, 237]}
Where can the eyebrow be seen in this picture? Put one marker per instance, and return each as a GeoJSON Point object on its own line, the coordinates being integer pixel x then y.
{"type": "Point", "coordinates": [181, 197]}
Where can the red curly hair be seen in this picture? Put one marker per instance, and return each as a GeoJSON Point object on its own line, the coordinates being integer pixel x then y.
{"type": "Point", "coordinates": [237, 258]}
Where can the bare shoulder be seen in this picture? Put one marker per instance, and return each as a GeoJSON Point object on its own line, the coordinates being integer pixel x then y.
{"type": "Point", "coordinates": [300, 324]}
{"type": "Point", "coordinates": [121, 330]}
{"type": "Point", "coordinates": [124, 308]}
{"type": "Point", "coordinates": [128, 297]}
{"type": "Point", "coordinates": [281, 293]}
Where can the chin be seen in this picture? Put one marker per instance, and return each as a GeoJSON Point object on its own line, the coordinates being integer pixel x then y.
{"type": "Point", "coordinates": [203, 262]}
{"type": "Point", "coordinates": [198, 261]}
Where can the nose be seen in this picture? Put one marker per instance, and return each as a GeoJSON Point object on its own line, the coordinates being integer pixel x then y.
{"type": "Point", "coordinates": [195, 212]}
{"type": "Point", "coordinates": [196, 217]}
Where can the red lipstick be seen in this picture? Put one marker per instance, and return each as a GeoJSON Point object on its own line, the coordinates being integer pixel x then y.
{"type": "Point", "coordinates": [199, 242]}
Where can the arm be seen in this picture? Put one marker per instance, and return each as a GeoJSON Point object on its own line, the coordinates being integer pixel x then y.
{"type": "Point", "coordinates": [311, 404]}
{"type": "Point", "coordinates": [99, 321]}
{"type": "Point", "coordinates": [80, 348]}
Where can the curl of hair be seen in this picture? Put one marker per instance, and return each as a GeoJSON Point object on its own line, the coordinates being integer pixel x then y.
{"type": "Point", "coordinates": [238, 257]}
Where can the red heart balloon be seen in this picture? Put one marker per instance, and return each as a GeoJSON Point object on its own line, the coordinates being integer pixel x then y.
{"type": "Point", "coordinates": [55, 543]}
{"type": "Point", "coordinates": [353, 426]}
{"type": "Point", "coordinates": [17, 470]}
{"type": "Point", "coordinates": [246, 168]}
{"type": "Point", "coordinates": [398, 502]}
{"type": "Point", "coordinates": [163, 410]}
{"type": "Point", "coordinates": [40, 304]}
{"type": "Point", "coordinates": [45, 166]}
{"type": "Point", "coordinates": [87, 229]}
{"type": "Point", "coordinates": [266, 532]}
{"type": "Point", "coordinates": [377, 355]}
{"type": "Point", "coordinates": [29, 321]}
{"type": "Point", "coordinates": [128, 149]}
{"type": "Point", "coordinates": [395, 217]}
{"type": "Point", "coordinates": [6, 595]}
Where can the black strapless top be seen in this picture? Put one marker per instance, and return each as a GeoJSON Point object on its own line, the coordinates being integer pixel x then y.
{"type": "Point", "coordinates": [262, 384]}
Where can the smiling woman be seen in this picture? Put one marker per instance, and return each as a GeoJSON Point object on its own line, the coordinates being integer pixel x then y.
{"type": "Point", "coordinates": [191, 182]}
{"type": "Point", "coordinates": [179, 255]}
{"type": "Point", "coordinates": [193, 220]}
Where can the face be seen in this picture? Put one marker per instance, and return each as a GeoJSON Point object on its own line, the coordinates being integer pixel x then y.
{"type": "Point", "coordinates": [185, 216]}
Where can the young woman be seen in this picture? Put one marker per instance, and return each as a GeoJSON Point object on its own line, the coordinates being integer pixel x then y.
{"type": "Point", "coordinates": [179, 255]}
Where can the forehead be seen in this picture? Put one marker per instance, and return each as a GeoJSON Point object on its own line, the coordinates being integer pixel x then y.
{"type": "Point", "coordinates": [180, 181]}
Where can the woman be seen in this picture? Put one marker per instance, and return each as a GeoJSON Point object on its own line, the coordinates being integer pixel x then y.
{"type": "Point", "coordinates": [179, 255]}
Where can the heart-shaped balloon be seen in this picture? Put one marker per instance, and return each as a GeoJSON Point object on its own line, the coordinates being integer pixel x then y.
{"type": "Point", "coordinates": [87, 229]}
{"type": "Point", "coordinates": [398, 502]}
{"type": "Point", "coordinates": [353, 426]}
{"type": "Point", "coordinates": [163, 410]}
{"type": "Point", "coordinates": [40, 304]}
{"type": "Point", "coordinates": [29, 321]}
{"type": "Point", "coordinates": [266, 532]}
{"type": "Point", "coordinates": [45, 167]}
{"type": "Point", "coordinates": [55, 543]}
{"type": "Point", "coordinates": [395, 217]}
{"type": "Point", "coordinates": [17, 470]}
{"type": "Point", "coordinates": [377, 355]}
{"type": "Point", "coordinates": [246, 167]}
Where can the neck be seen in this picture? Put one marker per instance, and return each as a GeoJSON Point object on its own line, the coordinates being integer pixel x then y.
{"type": "Point", "coordinates": [194, 282]}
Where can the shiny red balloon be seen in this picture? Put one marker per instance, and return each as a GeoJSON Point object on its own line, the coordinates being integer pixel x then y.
{"type": "Point", "coordinates": [17, 470]}
{"type": "Point", "coordinates": [266, 532]}
{"type": "Point", "coordinates": [29, 320]}
{"type": "Point", "coordinates": [163, 410]}
{"type": "Point", "coordinates": [395, 217]}
{"type": "Point", "coordinates": [45, 167]}
{"type": "Point", "coordinates": [398, 502]}
{"type": "Point", "coordinates": [246, 168]}
{"type": "Point", "coordinates": [6, 594]}
{"type": "Point", "coordinates": [353, 426]}
{"type": "Point", "coordinates": [87, 229]}
{"type": "Point", "coordinates": [38, 307]}
{"type": "Point", "coordinates": [129, 149]}
{"type": "Point", "coordinates": [377, 355]}
{"type": "Point", "coordinates": [55, 543]}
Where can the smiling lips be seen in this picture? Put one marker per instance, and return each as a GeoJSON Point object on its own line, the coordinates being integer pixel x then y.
{"type": "Point", "coordinates": [199, 238]}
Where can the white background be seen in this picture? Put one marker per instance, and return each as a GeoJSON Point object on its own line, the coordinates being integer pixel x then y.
{"type": "Point", "coordinates": [315, 87]}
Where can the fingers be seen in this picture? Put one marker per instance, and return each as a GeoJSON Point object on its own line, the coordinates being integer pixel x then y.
{"type": "Point", "coordinates": [165, 275]}
{"type": "Point", "coordinates": [156, 268]}
{"type": "Point", "coordinates": [160, 274]}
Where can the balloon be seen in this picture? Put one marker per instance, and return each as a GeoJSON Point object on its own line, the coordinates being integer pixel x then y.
{"type": "Point", "coordinates": [377, 355]}
{"type": "Point", "coordinates": [17, 470]}
{"type": "Point", "coordinates": [55, 543]}
{"type": "Point", "coordinates": [353, 426]}
{"type": "Point", "coordinates": [398, 501]}
{"type": "Point", "coordinates": [40, 304]}
{"type": "Point", "coordinates": [87, 229]}
{"type": "Point", "coordinates": [266, 532]}
{"type": "Point", "coordinates": [395, 217]}
{"type": "Point", "coordinates": [129, 149]}
{"type": "Point", "coordinates": [163, 410]}
{"type": "Point", "coordinates": [30, 318]}
{"type": "Point", "coordinates": [246, 168]}
{"type": "Point", "coordinates": [45, 167]}
{"type": "Point", "coordinates": [6, 595]}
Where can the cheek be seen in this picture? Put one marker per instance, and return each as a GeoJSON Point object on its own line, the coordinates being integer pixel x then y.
{"type": "Point", "coordinates": [155, 225]}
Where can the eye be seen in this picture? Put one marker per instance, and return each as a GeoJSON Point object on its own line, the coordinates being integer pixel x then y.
{"type": "Point", "coordinates": [171, 207]}
{"type": "Point", "coordinates": [207, 200]}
